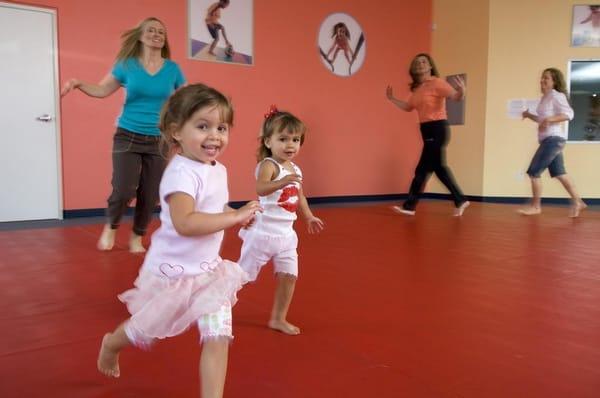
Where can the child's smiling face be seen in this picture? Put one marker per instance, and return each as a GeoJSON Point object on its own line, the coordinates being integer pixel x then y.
{"type": "Point", "coordinates": [204, 136]}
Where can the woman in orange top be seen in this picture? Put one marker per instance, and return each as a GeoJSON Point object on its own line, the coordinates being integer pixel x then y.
{"type": "Point", "coordinates": [429, 93]}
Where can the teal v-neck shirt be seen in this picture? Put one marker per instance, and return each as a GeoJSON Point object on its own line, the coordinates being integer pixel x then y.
{"type": "Point", "coordinates": [145, 93]}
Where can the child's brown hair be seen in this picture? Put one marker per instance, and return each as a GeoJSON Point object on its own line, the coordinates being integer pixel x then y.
{"type": "Point", "coordinates": [275, 122]}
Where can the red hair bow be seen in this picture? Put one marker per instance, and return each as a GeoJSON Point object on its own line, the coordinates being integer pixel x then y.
{"type": "Point", "coordinates": [272, 111]}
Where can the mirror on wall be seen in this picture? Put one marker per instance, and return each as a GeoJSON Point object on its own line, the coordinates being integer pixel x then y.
{"type": "Point", "coordinates": [584, 88]}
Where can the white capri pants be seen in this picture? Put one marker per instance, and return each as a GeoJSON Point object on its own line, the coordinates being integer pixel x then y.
{"type": "Point", "coordinates": [259, 248]}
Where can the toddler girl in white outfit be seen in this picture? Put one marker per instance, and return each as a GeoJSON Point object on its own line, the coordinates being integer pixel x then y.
{"type": "Point", "coordinates": [272, 236]}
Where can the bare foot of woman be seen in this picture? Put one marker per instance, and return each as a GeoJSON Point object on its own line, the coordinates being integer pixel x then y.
{"type": "Point", "coordinates": [458, 212]}
{"type": "Point", "coordinates": [402, 210]}
{"type": "Point", "coordinates": [107, 238]}
{"type": "Point", "coordinates": [530, 211]}
{"type": "Point", "coordinates": [577, 208]}
{"type": "Point", "coordinates": [135, 244]}
{"type": "Point", "coordinates": [284, 327]}
{"type": "Point", "coordinates": [108, 359]}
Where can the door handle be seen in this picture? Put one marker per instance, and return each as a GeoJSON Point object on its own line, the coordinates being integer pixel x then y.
{"type": "Point", "coordinates": [44, 118]}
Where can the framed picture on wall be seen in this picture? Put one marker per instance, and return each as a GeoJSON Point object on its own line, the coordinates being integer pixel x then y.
{"type": "Point", "coordinates": [586, 26]}
{"type": "Point", "coordinates": [341, 43]}
{"type": "Point", "coordinates": [221, 31]}
{"type": "Point", "coordinates": [456, 109]}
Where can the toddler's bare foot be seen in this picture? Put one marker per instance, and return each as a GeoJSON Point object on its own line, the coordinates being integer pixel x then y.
{"type": "Point", "coordinates": [284, 327]}
{"type": "Point", "coordinates": [577, 208]}
{"type": "Point", "coordinates": [530, 211]}
{"type": "Point", "coordinates": [108, 359]}
{"type": "Point", "coordinates": [107, 238]}
{"type": "Point", "coordinates": [135, 244]}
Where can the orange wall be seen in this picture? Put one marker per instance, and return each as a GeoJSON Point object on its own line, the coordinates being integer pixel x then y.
{"type": "Point", "coordinates": [358, 143]}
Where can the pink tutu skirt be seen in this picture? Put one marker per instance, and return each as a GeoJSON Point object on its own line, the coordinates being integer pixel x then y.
{"type": "Point", "coordinates": [162, 307]}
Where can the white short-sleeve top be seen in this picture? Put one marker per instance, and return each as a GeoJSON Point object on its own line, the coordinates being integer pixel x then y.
{"type": "Point", "coordinates": [171, 254]}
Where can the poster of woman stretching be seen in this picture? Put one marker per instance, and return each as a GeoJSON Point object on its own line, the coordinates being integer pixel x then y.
{"type": "Point", "coordinates": [221, 31]}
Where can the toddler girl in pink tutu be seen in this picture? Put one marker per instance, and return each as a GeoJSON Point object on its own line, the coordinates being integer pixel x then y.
{"type": "Point", "coordinates": [183, 280]}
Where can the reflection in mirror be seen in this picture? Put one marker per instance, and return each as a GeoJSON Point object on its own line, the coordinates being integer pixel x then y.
{"type": "Point", "coordinates": [585, 100]}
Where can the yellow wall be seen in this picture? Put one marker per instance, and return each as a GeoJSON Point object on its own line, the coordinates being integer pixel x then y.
{"type": "Point", "coordinates": [523, 37]}
{"type": "Point", "coordinates": [460, 45]}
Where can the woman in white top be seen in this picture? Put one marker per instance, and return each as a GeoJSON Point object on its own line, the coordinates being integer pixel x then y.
{"type": "Point", "coordinates": [552, 111]}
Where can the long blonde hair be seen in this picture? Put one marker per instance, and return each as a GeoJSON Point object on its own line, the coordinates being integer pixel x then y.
{"type": "Point", "coordinates": [182, 105]}
{"type": "Point", "coordinates": [131, 46]}
{"type": "Point", "coordinates": [278, 121]}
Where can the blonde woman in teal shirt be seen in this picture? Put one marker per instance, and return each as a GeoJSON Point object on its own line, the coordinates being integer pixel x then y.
{"type": "Point", "coordinates": [144, 68]}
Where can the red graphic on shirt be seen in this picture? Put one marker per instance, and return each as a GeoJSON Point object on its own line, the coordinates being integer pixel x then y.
{"type": "Point", "coordinates": [288, 200]}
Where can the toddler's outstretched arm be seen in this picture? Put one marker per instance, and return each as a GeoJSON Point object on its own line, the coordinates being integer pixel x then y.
{"type": "Point", "coordinates": [315, 224]}
{"type": "Point", "coordinates": [264, 181]}
{"type": "Point", "coordinates": [246, 223]}
{"type": "Point", "coordinates": [189, 222]}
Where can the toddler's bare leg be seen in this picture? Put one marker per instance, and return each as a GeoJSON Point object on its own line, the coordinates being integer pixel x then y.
{"type": "Point", "coordinates": [284, 291]}
{"type": "Point", "coordinates": [112, 344]}
{"type": "Point", "coordinates": [213, 366]}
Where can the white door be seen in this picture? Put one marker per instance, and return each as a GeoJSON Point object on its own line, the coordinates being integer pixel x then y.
{"type": "Point", "coordinates": [30, 182]}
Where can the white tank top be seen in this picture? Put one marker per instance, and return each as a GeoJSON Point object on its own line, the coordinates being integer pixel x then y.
{"type": "Point", "coordinates": [279, 207]}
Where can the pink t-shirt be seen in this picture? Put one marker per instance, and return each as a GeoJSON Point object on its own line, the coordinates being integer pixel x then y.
{"type": "Point", "coordinates": [429, 99]}
{"type": "Point", "coordinates": [171, 254]}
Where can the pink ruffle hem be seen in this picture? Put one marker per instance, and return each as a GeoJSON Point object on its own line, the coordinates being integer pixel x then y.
{"type": "Point", "coordinates": [163, 307]}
